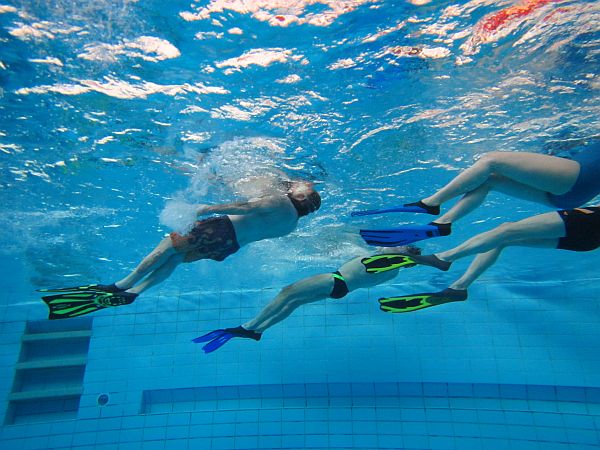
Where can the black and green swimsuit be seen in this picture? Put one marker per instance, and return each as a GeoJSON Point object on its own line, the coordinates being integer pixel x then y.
{"type": "Point", "coordinates": [340, 288]}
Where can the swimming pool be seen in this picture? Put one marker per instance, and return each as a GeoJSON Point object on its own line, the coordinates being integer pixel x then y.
{"type": "Point", "coordinates": [117, 115]}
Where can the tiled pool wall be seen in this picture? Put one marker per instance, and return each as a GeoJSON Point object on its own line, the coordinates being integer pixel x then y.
{"type": "Point", "coordinates": [518, 373]}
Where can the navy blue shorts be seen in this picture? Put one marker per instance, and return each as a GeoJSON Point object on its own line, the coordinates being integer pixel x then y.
{"type": "Point", "coordinates": [583, 229]}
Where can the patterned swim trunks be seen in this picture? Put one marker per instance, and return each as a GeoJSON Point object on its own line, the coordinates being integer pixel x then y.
{"type": "Point", "coordinates": [212, 238]}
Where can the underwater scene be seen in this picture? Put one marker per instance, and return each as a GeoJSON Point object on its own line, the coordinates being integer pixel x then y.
{"type": "Point", "coordinates": [269, 224]}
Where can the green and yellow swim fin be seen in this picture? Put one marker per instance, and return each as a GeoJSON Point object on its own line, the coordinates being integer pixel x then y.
{"type": "Point", "coordinates": [85, 288]}
{"type": "Point", "coordinates": [391, 261]}
{"type": "Point", "coordinates": [385, 262]}
{"type": "Point", "coordinates": [73, 304]}
{"type": "Point", "coordinates": [409, 303]}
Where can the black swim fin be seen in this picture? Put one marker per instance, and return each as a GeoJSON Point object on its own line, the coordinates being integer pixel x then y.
{"type": "Point", "coordinates": [73, 304]}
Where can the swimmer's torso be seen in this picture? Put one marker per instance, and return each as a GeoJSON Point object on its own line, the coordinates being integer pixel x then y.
{"type": "Point", "coordinates": [271, 217]}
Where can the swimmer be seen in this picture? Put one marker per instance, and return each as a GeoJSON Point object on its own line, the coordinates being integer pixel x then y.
{"type": "Point", "coordinates": [574, 229]}
{"type": "Point", "coordinates": [358, 273]}
{"type": "Point", "coordinates": [549, 180]}
{"type": "Point", "coordinates": [237, 225]}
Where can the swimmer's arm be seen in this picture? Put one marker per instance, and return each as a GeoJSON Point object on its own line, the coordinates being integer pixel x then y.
{"type": "Point", "coordinates": [237, 208]}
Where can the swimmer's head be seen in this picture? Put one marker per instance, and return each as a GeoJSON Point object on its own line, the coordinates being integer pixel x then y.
{"type": "Point", "coordinates": [304, 197]}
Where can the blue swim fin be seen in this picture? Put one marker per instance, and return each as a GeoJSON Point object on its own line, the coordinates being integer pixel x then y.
{"type": "Point", "coordinates": [417, 207]}
{"type": "Point", "coordinates": [393, 237]}
{"type": "Point", "coordinates": [218, 338]}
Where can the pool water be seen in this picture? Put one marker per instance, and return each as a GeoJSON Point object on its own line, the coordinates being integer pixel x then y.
{"type": "Point", "coordinates": [117, 116]}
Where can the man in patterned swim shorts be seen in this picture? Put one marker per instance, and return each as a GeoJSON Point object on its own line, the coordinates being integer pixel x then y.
{"type": "Point", "coordinates": [236, 225]}
{"type": "Point", "coordinates": [218, 237]}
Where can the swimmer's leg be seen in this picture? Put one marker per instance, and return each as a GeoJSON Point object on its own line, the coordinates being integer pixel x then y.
{"type": "Point", "coordinates": [159, 275]}
{"type": "Point", "coordinates": [539, 172]}
{"type": "Point", "coordinates": [289, 299]}
{"type": "Point", "coordinates": [151, 262]}
{"type": "Point", "coordinates": [471, 200]}
{"type": "Point", "coordinates": [484, 261]}
{"type": "Point", "coordinates": [542, 227]}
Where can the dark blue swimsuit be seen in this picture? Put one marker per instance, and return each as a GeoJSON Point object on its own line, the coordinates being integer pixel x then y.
{"type": "Point", "coordinates": [587, 185]}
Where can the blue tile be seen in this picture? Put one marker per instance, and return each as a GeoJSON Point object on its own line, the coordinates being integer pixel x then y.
{"type": "Point", "coordinates": [246, 428]}
{"type": "Point", "coordinates": [460, 390]}
{"type": "Point", "coordinates": [177, 432]}
{"type": "Point", "coordinates": [583, 436]}
{"type": "Point", "coordinates": [178, 419]}
{"type": "Point", "coordinates": [364, 414]}
{"type": "Point", "coordinates": [548, 419]}
{"type": "Point", "coordinates": [572, 407]}
{"type": "Point", "coordinates": [154, 433]}
{"type": "Point", "coordinates": [292, 440]}
{"type": "Point", "coordinates": [151, 445]}
{"type": "Point", "coordinates": [363, 389]}
{"type": "Point", "coordinates": [84, 439]}
{"type": "Point", "coordinates": [415, 442]}
{"type": "Point", "coordinates": [578, 421]}
{"type": "Point", "coordinates": [199, 443]}
{"type": "Point", "coordinates": [224, 417]}
{"type": "Point", "coordinates": [491, 416]}
{"type": "Point", "coordinates": [107, 437]}
{"type": "Point", "coordinates": [340, 390]}
{"type": "Point", "coordinates": [464, 415]}
{"type": "Point", "coordinates": [410, 389]}
{"type": "Point", "coordinates": [496, 444]}
{"type": "Point", "coordinates": [466, 429]}
{"type": "Point", "coordinates": [317, 390]}
{"type": "Point", "coordinates": [294, 390]}
{"type": "Point", "coordinates": [320, 441]}
{"type": "Point", "coordinates": [222, 443]}
{"type": "Point", "coordinates": [364, 441]}
{"type": "Point", "coordinates": [340, 441]}
{"type": "Point", "coordinates": [131, 446]}
{"type": "Point", "coordinates": [246, 442]}
{"type": "Point", "coordinates": [131, 434]}
{"type": "Point", "coordinates": [513, 391]}
{"type": "Point", "coordinates": [442, 442]}
{"type": "Point", "coordinates": [486, 390]}
{"type": "Point", "coordinates": [518, 417]}
{"type": "Point", "coordinates": [59, 441]}
{"type": "Point", "coordinates": [321, 427]}
{"type": "Point", "coordinates": [266, 442]}
{"type": "Point", "coordinates": [292, 428]}
{"type": "Point", "coordinates": [390, 441]}
{"type": "Point", "coordinates": [592, 395]}
{"type": "Point", "coordinates": [569, 393]}
{"type": "Point", "coordinates": [176, 444]}
{"type": "Point", "coordinates": [541, 392]}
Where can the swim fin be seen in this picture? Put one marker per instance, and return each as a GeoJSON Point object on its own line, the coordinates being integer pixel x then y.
{"type": "Point", "coordinates": [417, 207]}
{"type": "Point", "coordinates": [409, 303]}
{"type": "Point", "coordinates": [391, 261]}
{"type": "Point", "coordinates": [86, 288]}
{"type": "Point", "coordinates": [393, 237]}
{"type": "Point", "coordinates": [383, 263]}
{"type": "Point", "coordinates": [73, 304]}
{"type": "Point", "coordinates": [217, 338]}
